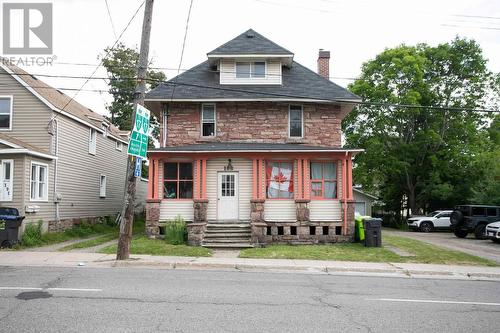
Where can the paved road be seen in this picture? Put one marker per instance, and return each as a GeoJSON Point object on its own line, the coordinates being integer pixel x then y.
{"type": "Point", "coordinates": [148, 300]}
{"type": "Point", "coordinates": [481, 248]}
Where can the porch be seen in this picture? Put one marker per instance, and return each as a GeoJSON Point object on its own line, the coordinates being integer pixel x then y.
{"type": "Point", "coordinates": [277, 193]}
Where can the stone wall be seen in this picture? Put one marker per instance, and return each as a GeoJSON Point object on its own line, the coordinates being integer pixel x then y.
{"type": "Point", "coordinates": [65, 224]}
{"type": "Point", "coordinates": [255, 122]}
{"type": "Point", "coordinates": [153, 218]}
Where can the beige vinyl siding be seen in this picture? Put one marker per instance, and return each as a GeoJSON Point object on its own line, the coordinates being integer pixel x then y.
{"type": "Point", "coordinates": [244, 169]}
{"type": "Point", "coordinates": [46, 208]}
{"type": "Point", "coordinates": [30, 116]}
{"type": "Point", "coordinates": [325, 210]}
{"type": "Point", "coordinates": [17, 183]}
{"type": "Point", "coordinates": [228, 72]}
{"type": "Point", "coordinates": [141, 192]}
{"type": "Point", "coordinates": [79, 172]}
{"type": "Point", "coordinates": [170, 209]}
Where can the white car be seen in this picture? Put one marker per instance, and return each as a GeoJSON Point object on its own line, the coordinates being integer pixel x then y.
{"type": "Point", "coordinates": [493, 231]}
{"type": "Point", "coordinates": [439, 219]}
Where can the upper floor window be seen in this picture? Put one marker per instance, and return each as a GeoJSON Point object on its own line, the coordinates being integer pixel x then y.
{"type": "Point", "coordinates": [323, 180]}
{"type": "Point", "coordinates": [5, 112]}
{"type": "Point", "coordinates": [39, 182]}
{"type": "Point", "coordinates": [208, 120]}
{"type": "Point", "coordinates": [104, 128]}
{"type": "Point", "coordinates": [279, 176]}
{"type": "Point", "coordinates": [118, 145]}
{"type": "Point", "coordinates": [255, 69]}
{"type": "Point", "coordinates": [92, 141]}
{"type": "Point", "coordinates": [295, 121]}
{"type": "Point", "coordinates": [177, 180]}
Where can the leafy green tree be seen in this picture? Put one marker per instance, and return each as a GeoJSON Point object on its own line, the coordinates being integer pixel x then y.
{"type": "Point", "coordinates": [420, 156]}
{"type": "Point", "coordinates": [121, 66]}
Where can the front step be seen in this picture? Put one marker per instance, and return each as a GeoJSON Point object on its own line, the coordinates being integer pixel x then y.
{"type": "Point", "coordinates": [227, 235]}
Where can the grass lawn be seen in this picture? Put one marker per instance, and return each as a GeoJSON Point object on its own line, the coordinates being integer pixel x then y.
{"type": "Point", "coordinates": [430, 254]}
{"type": "Point", "coordinates": [91, 242]}
{"type": "Point", "coordinates": [80, 231]}
{"type": "Point", "coordinates": [158, 247]}
{"type": "Point", "coordinates": [424, 253]}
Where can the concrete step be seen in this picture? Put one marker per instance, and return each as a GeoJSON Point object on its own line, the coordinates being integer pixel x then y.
{"type": "Point", "coordinates": [228, 235]}
{"type": "Point", "coordinates": [226, 240]}
{"type": "Point", "coordinates": [228, 225]}
{"type": "Point", "coordinates": [228, 246]}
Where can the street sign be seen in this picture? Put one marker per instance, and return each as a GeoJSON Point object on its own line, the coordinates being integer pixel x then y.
{"type": "Point", "coordinates": [138, 167]}
{"type": "Point", "coordinates": [138, 145]}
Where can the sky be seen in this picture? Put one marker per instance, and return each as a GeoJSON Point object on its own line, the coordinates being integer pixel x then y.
{"type": "Point", "coordinates": [354, 31]}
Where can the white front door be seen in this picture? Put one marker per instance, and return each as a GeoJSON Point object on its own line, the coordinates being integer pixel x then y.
{"type": "Point", "coordinates": [227, 196]}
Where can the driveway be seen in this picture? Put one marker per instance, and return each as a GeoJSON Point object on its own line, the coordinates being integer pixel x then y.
{"type": "Point", "coordinates": [481, 248]}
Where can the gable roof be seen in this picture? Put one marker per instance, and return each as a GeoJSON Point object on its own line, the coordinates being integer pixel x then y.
{"type": "Point", "coordinates": [250, 42]}
{"type": "Point", "coordinates": [298, 83]}
{"type": "Point", "coordinates": [59, 101]}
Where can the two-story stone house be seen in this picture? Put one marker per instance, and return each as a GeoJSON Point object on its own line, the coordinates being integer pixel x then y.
{"type": "Point", "coordinates": [250, 150]}
{"type": "Point", "coordinates": [60, 162]}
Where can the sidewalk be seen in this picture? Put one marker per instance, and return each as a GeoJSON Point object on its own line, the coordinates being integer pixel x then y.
{"type": "Point", "coordinates": [97, 260]}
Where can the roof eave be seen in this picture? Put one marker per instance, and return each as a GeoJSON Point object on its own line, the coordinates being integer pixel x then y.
{"type": "Point", "coordinates": [353, 151]}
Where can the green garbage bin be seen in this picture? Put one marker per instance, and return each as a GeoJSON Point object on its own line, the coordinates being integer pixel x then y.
{"type": "Point", "coordinates": [359, 230]}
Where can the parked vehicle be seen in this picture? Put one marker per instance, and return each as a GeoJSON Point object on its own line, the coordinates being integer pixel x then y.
{"type": "Point", "coordinates": [493, 231]}
{"type": "Point", "coordinates": [439, 219]}
{"type": "Point", "coordinates": [473, 218]}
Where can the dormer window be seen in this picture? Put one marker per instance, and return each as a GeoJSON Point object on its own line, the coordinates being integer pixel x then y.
{"type": "Point", "coordinates": [256, 69]}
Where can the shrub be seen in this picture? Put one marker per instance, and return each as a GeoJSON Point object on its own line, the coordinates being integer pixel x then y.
{"type": "Point", "coordinates": [176, 231]}
{"type": "Point", "coordinates": [32, 234]}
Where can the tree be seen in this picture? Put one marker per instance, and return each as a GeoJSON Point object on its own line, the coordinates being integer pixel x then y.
{"type": "Point", "coordinates": [420, 156]}
{"type": "Point", "coordinates": [121, 66]}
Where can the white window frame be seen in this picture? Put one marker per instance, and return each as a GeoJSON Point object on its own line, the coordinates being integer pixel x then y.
{"type": "Point", "coordinates": [92, 141]}
{"type": "Point", "coordinates": [2, 180]}
{"type": "Point", "coordinates": [118, 145]}
{"type": "Point", "coordinates": [290, 118]}
{"type": "Point", "coordinates": [215, 120]}
{"type": "Point", "coordinates": [104, 128]}
{"type": "Point", "coordinates": [102, 185]}
{"type": "Point", "coordinates": [45, 197]}
{"type": "Point", "coordinates": [251, 63]}
{"type": "Point", "coordinates": [11, 97]}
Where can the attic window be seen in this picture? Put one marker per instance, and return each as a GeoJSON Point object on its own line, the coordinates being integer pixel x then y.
{"type": "Point", "coordinates": [255, 69]}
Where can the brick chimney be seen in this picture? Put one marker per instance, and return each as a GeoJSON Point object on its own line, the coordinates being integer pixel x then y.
{"type": "Point", "coordinates": [324, 63]}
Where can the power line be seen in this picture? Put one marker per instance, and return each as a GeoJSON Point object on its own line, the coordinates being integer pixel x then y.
{"type": "Point", "coordinates": [110, 18]}
{"type": "Point", "coordinates": [183, 45]}
{"type": "Point", "coordinates": [107, 53]}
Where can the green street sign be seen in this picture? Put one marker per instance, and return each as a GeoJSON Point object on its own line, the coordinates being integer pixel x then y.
{"type": "Point", "coordinates": [138, 145]}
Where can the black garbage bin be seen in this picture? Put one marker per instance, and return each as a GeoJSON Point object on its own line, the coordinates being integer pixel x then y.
{"type": "Point", "coordinates": [10, 221]}
{"type": "Point", "coordinates": [373, 232]}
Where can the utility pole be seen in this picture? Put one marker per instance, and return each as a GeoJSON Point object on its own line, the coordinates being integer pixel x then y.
{"type": "Point", "coordinates": [127, 217]}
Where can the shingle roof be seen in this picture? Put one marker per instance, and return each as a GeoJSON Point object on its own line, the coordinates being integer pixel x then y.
{"type": "Point", "coordinates": [246, 146]}
{"type": "Point", "coordinates": [22, 144]}
{"type": "Point", "coordinates": [59, 99]}
{"type": "Point", "coordinates": [298, 82]}
{"type": "Point", "coordinates": [250, 42]}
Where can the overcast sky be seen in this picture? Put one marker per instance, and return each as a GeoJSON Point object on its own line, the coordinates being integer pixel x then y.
{"type": "Point", "coordinates": [354, 31]}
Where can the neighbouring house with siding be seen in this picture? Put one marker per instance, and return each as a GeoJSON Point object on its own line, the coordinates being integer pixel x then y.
{"type": "Point", "coordinates": [250, 149]}
{"type": "Point", "coordinates": [60, 162]}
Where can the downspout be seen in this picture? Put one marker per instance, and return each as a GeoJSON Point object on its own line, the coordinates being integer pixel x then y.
{"type": "Point", "coordinates": [165, 124]}
{"type": "Point", "coordinates": [55, 127]}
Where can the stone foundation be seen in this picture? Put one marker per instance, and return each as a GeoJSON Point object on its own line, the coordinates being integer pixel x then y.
{"type": "Point", "coordinates": [350, 216]}
{"type": "Point", "coordinates": [153, 218]}
{"type": "Point", "coordinates": [302, 210]}
{"type": "Point", "coordinates": [200, 210]}
{"type": "Point", "coordinates": [195, 232]}
{"type": "Point", "coordinates": [257, 221]}
{"type": "Point", "coordinates": [66, 224]}
{"type": "Point", "coordinates": [303, 233]}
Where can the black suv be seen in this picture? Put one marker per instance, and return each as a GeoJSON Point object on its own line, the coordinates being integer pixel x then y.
{"type": "Point", "coordinates": [473, 218]}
